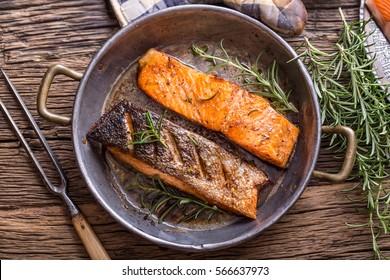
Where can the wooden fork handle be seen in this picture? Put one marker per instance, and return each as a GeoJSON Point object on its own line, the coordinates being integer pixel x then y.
{"type": "Point", "coordinates": [91, 242]}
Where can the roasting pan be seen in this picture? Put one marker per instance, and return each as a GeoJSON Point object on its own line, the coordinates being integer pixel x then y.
{"type": "Point", "coordinates": [109, 77]}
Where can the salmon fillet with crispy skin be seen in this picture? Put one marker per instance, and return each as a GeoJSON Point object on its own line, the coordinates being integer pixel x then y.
{"type": "Point", "coordinates": [187, 161]}
{"type": "Point", "coordinates": [246, 119]}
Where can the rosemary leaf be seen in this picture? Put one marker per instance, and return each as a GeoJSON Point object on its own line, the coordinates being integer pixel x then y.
{"type": "Point", "coordinates": [163, 200]}
{"type": "Point", "coordinates": [152, 132]}
{"type": "Point", "coordinates": [351, 95]}
{"type": "Point", "coordinates": [193, 140]}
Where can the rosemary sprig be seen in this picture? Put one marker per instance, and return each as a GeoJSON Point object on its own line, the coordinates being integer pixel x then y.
{"type": "Point", "coordinates": [268, 84]}
{"type": "Point", "coordinates": [193, 140]}
{"type": "Point", "coordinates": [163, 200]}
{"type": "Point", "coordinates": [152, 133]}
{"type": "Point", "coordinates": [351, 95]}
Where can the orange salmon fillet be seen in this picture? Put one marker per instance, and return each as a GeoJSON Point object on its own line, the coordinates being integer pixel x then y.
{"type": "Point", "coordinates": [384, 8]}
{"type": "Point", "coordinates": [381, 11]}
{"type": "Point", "coordinates": [246, 119]}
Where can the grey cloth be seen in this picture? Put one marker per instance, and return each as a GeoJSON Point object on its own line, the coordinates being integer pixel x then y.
{"type": "Point", "coordinates": [132, 9]}
{"type": "Point", "coordinates": [288, 17]}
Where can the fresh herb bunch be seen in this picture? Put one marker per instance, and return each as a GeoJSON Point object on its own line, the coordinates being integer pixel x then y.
{"type": "Point", "coordinates": [268, 85]}
{"type": "Point", "coordinates": [351, 95]}
{"type": "Point", "coordinates": [152, 133]}
{"type": "Point", "coordinates": [163, 201]}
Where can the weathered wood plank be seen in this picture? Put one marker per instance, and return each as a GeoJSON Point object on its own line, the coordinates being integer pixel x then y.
{"type": "Point", "coordinates": [34, 224]}
{"type": "Point", "coordinates": [314, 229]}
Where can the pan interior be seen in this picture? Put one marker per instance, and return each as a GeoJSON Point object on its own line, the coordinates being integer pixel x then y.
{"type": "Point", "coordinates": [111, 76]}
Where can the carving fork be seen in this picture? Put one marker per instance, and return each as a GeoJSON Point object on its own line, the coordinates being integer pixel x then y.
{"type": "Point", "coordinates": [91, 242]}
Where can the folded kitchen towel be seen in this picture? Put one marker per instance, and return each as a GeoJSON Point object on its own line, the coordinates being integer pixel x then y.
{"type": "Point", "coordinates": [284, 16]}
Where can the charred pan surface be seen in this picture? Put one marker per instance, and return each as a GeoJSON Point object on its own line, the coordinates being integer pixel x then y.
{"type": "Point", "coordinates": [187, 161]}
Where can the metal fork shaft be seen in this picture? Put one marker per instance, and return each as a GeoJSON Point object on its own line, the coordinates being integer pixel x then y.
{"type": "Point", "coordinates": [41, 137]}
{"type": "Point", "coordinates": [91, 242]}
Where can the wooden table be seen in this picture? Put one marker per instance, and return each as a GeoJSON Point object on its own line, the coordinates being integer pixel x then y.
{"type": "Point", "coordinates": [34, 224]}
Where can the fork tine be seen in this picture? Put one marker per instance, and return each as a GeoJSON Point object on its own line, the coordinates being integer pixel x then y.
{"type": "Point", "coordinates": [91, 242]}
{"type": "Point", "coordinates": [24, 142]}
{"type": "Point", "coordinates": [41, 137]}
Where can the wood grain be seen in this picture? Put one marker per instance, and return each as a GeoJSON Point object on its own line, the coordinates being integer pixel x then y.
{"type": "Point", "coordinates": [35, 225]}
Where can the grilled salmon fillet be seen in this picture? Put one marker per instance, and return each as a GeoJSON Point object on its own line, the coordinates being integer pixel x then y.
{"type": "Point", "coordinates": [381, 12]}
{"type": "Point", "coordinates": [187, 161]}
{"type": "Point", "coordinates": [246, 119]}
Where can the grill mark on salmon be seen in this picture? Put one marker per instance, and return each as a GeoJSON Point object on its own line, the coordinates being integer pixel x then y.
{"type": "Point", "coordinates": [202, 168]}
{"type": "Point", "coordinates": [175, 149]}
{"type": "Point", "coordinates": [246, 119]}
{"type": "Point", "coordinates": [205, 170]}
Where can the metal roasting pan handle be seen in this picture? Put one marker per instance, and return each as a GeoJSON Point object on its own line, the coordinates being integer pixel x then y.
{"type": "Point", "coordinates": [43, 92]}
{"type": "Point", "coordinates": [350, 154]}
{"type": "Point", "coordinates": [60, 69]}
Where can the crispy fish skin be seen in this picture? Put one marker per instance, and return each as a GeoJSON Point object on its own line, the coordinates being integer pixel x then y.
{"type": "Point", "coordinates": [189, 162]}
{"type": "Point", "coordinates": [246, 119]}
